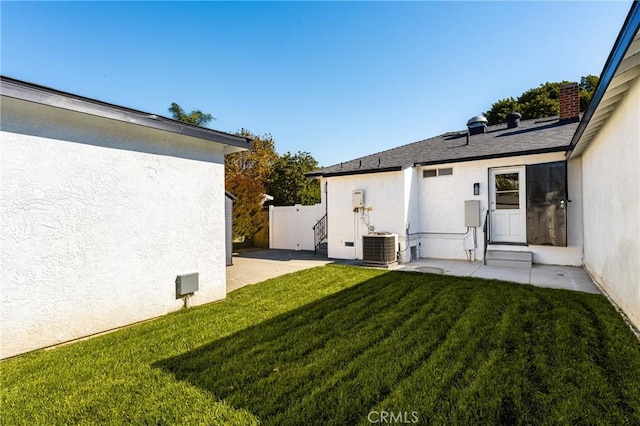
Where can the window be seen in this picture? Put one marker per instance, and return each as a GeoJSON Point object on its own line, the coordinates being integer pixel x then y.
{"type": "Point", "coordinates": [546, 204]}
{"type": "Point", "coordinates": [437, 172]}
{"type": "Point", "coordinates": [507, 191]}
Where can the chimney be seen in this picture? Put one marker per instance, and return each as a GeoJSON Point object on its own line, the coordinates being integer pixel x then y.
{"type": "Point", "coordinates": [569, 103]}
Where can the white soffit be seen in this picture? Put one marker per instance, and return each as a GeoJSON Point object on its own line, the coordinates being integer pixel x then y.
{"type": "Point", "coordinates": [627, 71]}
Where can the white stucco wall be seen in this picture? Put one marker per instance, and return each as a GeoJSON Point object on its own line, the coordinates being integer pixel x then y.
{"type": "Point", "coordinates": [442, 206]}
{"type": "Point", "coordinates": [611, 191]}
{"type": "Point", "coordinates": [413, 216]}
{"type": "Point", "coordinates": [98, 218]}
{"type": "Point", "coordinates": [433, 207]}
{"type": "Point", "coordinates": [384, 196]}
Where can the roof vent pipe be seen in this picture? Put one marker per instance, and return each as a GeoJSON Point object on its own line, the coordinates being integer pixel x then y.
{"type": "Point", "coordinates": [513, 120]}
{"type": "Point", "coordinates": [477, 125]}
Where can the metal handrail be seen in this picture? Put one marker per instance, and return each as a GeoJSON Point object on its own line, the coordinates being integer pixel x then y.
{"type": "Point", "coordinates": [319, 232]}
{"type": "Point", "coordinates": [486, 229]}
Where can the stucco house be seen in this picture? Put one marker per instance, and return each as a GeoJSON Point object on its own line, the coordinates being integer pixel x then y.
{"type": "Point", "coordinates": [107, 213]}
{"type": "Point", "coordinates": [561, 190]}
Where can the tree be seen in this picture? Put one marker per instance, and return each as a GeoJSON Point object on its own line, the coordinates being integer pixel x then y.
{"type": "Point", "coordinates": [246, 176]}
{"type": "Point", "coordinates": [539, 102]}
{"type": "Point", "coordinates": [195, 117]}
{"type": "Point", "coordinates": [288, 185]}
{"type": "Point", "coordinates": [499, 110]}
{"type": "Point", "coordinates": [587, 87]}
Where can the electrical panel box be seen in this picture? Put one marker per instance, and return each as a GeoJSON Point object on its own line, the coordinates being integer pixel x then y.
{"type": "Point", "coordinates": [186, 284]}
{"type": "Point", "coordinates": [472, 213]}
{"type": "Point", "coordinates": [358, 199]}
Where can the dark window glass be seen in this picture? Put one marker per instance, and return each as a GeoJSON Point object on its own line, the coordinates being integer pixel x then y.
{"type": "Point", "coordinates": [445, 172]}
{"type": "Point", "coordinates": [429, 173]}
{"type": "Point", "coordinates": [546, 204]}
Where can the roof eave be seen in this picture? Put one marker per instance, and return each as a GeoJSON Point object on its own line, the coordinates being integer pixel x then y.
{"type": "Point", "coordinates": [29, 92]}
{"type": "Point", "coordinates": [618, 52]}
{"type": "Point", "coordinates": [320, 173]}
{"type": "Point", "coordinates": [562, 148]}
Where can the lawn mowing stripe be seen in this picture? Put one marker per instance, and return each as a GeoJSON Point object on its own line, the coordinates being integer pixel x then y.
{"type": "Point", "coordinates": [368, 376]}
{"type": "Point", "coordinates": [606, 360]}
{"type": "Point", "coordinates": [124, 360]}
{"type": "Point", "coordinates": [571, 361]}
{"type": "Point", "coordinates": [587, 387]}
{"type": "Point", "coordinates": [282, 288]}
{"type": "Point", "coordinates": [513, 367]}
{"type": "Point", "coordinates": [266, 339]}
{"type": "Point", "coordinates": [110, 380]}
{"type": "Point", "coordinates": [335, 360]}
{"type": "Point", "coordinates": [433, 387]}
{"type": "Point", "coordinates": [521, 333]}
{"type": "Point", "coordinates": [226, 381]}
{"type": "Point", "coordinates": [510, 384]}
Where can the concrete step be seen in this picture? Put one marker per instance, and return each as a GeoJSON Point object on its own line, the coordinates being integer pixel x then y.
{"type": "Point", "coordinates": [323, 250]}
{"type": "Point", "coordinates": [509, 259]}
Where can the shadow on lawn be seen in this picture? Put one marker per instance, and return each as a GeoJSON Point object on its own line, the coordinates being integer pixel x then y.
{"type": "Point", "coordinates": [399, 342]}
{"type": "Point", "coordinates": [331, 360]}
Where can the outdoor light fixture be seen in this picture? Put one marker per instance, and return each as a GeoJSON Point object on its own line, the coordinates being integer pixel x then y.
{"type": "Point", "coordinates": [476, 188]}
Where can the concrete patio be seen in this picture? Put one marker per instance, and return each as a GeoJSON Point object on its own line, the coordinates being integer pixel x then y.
{"type": "Point", "coordinates": [254, 266]}
{"type": "Point", "coordinates": [551, 276]}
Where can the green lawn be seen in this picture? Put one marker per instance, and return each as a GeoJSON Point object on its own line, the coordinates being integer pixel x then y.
{"type": "Point", "coordinates": [331, 345]}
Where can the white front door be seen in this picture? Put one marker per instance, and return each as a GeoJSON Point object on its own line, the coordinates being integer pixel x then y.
{"type": "Point", "coordinates": [507, 204]}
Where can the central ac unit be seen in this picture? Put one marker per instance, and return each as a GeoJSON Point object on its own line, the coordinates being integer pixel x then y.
{"type": "Point", "coordinates": [379, 248]}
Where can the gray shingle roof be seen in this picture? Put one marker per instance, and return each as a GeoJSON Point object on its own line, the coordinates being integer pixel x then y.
{"type": "Point", "coordinates": [533, 136]}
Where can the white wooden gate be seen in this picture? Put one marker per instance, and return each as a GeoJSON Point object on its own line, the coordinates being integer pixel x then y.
{"type": "Point", "coordinates": [291, 227]}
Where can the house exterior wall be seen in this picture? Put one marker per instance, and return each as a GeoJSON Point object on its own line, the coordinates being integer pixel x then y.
{"type": "Point", "coordinates": [443, 233]}
{"type": "Point", "coordinates": [413, 216]}
{"type": "Point", "coordinates": [611, 190]}
{"type": "Point", "coordinates": [98, 219]}
{"type": "Point", "coordinates": [429, 212]}
{"type": "Point", "coordinates": [384, 196]}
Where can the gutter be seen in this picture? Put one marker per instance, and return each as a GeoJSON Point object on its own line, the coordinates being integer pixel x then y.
{"type": "Point", "coordinates": [562, 148]}
{"type": "Point", "coordinates": [620, 47]}
{"type": "Point", "coordinates": [320, 173]}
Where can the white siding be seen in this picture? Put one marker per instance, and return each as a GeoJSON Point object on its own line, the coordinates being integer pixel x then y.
{"type": "Point", "coordinates": [611, 188]}
{"type": "Point", "coordinates": [98, 219]}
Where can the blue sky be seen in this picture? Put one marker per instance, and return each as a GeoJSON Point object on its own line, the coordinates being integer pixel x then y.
{"type": "Point", "coordinates": [337, 79]}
